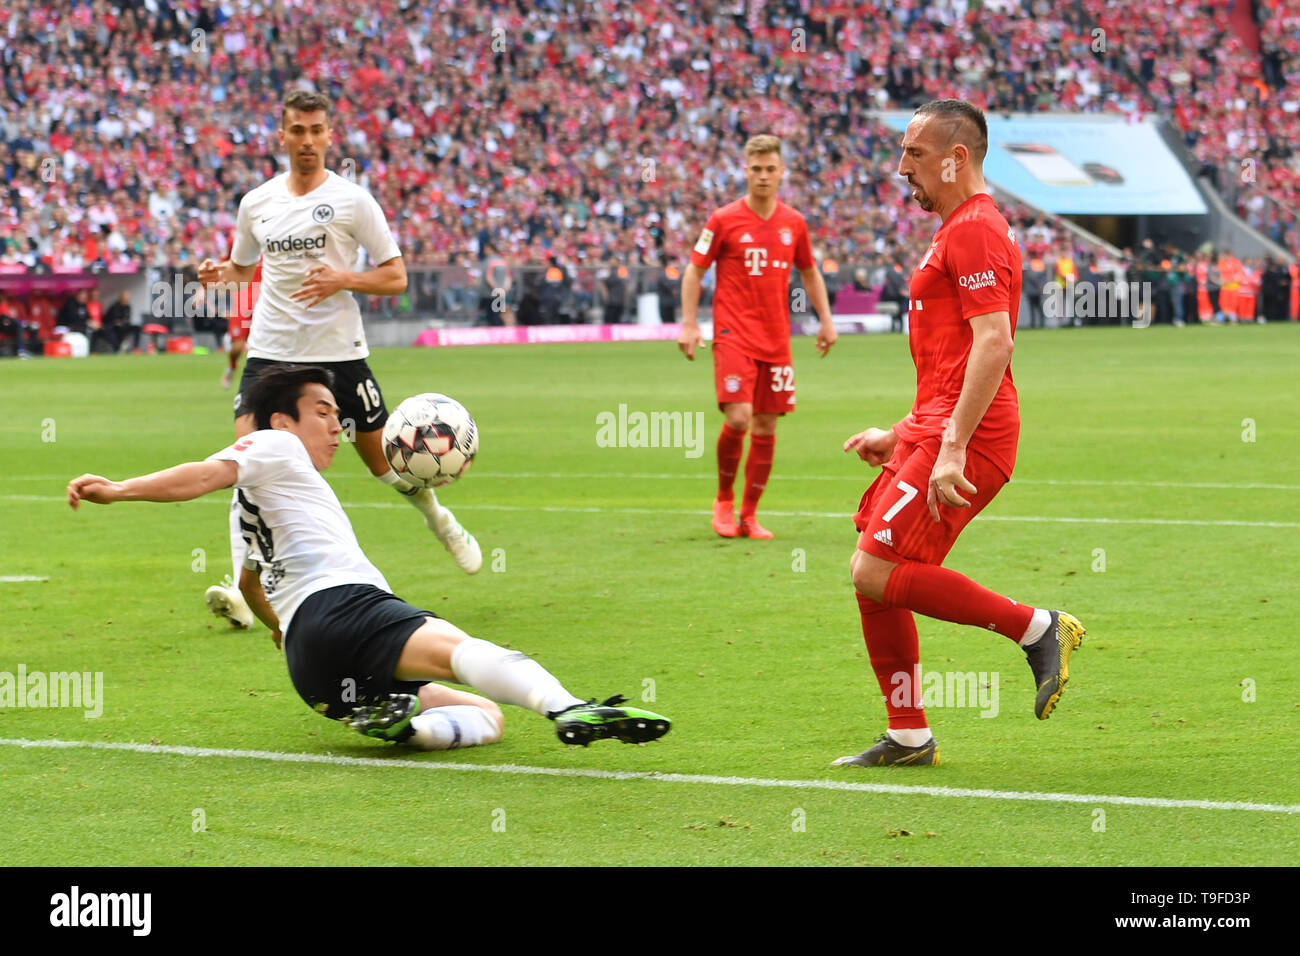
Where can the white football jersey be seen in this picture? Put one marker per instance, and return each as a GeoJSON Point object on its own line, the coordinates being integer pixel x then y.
{"type": "Point", "coordinates": [293, 523]}
{"type": "Point", "coordinates": [293, 234]}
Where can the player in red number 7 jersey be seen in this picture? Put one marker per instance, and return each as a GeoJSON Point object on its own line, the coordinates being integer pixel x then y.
{"type": "Point", "coordinates": [944, 462]}
{"type": "Point", "coordinates": [755, 242]}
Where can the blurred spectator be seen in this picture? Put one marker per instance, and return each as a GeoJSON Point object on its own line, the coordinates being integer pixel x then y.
{"type": "Point", "coordinates": [894, 289]}
{"type": "Point", "coordinates": [554, 293]}
{"type": "Point", "coordinates": [1034, 280]}
{"type": "Point", "coordinates": [668, 286]}
{"type": "Point", "coordinates": [73, 314]}
{"type": "Point", "coordinates": [11, 329]}
{"type": "Point", "coordinates": [117, 323]}
{"type": "Point", "coordinates": [613, 285]}
{"type": "Point", "coordinates": [495, 288]}
{"type": "Point", "coordinates": [1275, 288]}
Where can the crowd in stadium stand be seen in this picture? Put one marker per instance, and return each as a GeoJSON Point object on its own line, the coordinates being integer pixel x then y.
{"type": "Point", "coordinates": [556, 135]}
{"type": "Point", "coordinates": [1237, 108]}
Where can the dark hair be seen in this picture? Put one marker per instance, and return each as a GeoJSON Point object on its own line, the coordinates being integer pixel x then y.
{"type": "Point", "coordinates": [278, 390]}
{"type": "Point", "coordinates": [959, 113]}
{"type": "Point", "coordinates": [304, 102]}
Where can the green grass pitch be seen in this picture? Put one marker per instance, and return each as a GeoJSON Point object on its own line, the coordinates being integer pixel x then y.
{"type": "Point", "coordinates": [1154, 498]}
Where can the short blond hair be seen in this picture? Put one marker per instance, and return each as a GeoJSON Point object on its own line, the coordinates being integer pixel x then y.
{"type": "Point", "coordinates": [761, 145]}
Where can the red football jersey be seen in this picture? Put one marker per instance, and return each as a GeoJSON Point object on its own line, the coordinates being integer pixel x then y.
{"type": "Point", "coordinates": [971, 268]}
{"type": "Point", "coordinates": [751, 307]}
{"type": "Point", "coordinates": [247, 297]}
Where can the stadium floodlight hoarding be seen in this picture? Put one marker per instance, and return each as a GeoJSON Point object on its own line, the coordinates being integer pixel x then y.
{"type": "Point", "coordinates": [1085, 165]}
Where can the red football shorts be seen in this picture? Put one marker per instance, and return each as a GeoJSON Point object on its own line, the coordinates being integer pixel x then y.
{"type": "Point", "coordinates": [238, 326]}
{"type": "Point", "coordinates": [739, 378]}
{"type": "Point", "coordinates": [893, 517]}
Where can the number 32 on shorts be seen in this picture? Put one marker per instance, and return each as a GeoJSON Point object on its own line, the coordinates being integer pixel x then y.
{"type": "Point", "coordinates": [782, 378]}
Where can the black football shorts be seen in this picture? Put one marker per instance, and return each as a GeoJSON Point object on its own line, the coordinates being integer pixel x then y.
{"type": "Point", "coordinates": [343, 644]}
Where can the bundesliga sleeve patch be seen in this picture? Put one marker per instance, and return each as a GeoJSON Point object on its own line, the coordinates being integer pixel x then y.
{"type": "Point", "coordinates": [705, 241]}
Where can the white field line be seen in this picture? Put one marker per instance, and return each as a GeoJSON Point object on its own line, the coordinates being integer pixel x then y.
{"type": "Point", "coordinates": [20, 578]}
{"type": "Point", "coordinates": [863, 479]}
{"type": "Point", "coordinates": [837, 515]}
{"type": "Point", "coordinates": [685, 778]}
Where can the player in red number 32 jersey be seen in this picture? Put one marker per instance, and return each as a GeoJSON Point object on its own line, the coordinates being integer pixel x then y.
{"type": "Point", "coordinates": [944, 462]}
{"type": "Point", "coordinates": [755, 241]}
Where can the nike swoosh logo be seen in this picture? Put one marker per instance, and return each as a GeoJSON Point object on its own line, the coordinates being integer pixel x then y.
{"type": "Point", "coordinates": [267, 218]}
{"type": "Point", "coordinates": [370, 419]}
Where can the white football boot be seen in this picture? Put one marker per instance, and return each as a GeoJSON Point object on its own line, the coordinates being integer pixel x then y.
{"type": "Point", "coordinates": [464, 549]}
{"type": "Point", "coordinates": [225, 600]}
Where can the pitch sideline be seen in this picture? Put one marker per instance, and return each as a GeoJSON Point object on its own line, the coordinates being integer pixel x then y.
{"type": "Point", "coordinates": [686, 778]}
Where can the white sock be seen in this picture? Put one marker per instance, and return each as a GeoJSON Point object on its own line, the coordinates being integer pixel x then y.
{"type": "Point", "coordinates": [423, 498]}
{"type": "Point", "coordinates": [910, 737]}
{"type": "Point", "coordinates": [391, 477]}
{"type": "Point", "coordinates": [1038, 625]}
{"type": "Point", "coordinates": [446, 728]}
{"type": "Point", "coordinates": [509, 677]}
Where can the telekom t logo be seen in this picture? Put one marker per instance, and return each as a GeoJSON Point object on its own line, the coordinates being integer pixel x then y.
{"type": "Point", "coordinates": [755, 259]}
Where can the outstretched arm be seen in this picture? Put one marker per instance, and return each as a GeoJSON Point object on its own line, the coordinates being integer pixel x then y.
{"type": "Point", "coordinates": [185, 482]}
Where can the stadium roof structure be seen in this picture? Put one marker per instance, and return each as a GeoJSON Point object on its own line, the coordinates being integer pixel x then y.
{"type": "Point", "coordinates": [1084, 164]}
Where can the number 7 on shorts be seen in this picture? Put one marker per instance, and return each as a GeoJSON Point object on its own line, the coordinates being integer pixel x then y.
{"type": "Point", "coordinates": [908, 494]}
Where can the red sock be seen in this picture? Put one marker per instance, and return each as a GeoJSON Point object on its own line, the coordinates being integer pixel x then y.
{"type": "Point", "coordinates": [757, 467]}
{"type": "Point", "coordinates": [730, 443]}
{"type": "Point", "coordinates": [937, 592]}
{"type": "Point", "coordinates": [895, 652]}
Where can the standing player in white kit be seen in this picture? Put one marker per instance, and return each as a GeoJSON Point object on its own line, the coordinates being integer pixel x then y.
{"type": "Point", "coordinates": [306, 225]}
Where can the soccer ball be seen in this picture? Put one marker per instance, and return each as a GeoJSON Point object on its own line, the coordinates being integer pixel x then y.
{"type": "Point", "coordinates": [430, 440]}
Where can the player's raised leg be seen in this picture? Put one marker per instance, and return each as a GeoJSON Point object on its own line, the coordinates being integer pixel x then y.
{"type": "Point", "coordinates": [462, 545]}
{"type": "Point", "coordinates": [439, 650]}
{"type": "Point", "coordinates": [1047, 637]}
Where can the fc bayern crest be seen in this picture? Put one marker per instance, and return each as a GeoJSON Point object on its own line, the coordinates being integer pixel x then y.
{"type": "Point", "coordinates": [787, 237]}
{"type": "Point", "coordinates": [732, 384]}
{"type": "Point", "coordinates": [323, 213]}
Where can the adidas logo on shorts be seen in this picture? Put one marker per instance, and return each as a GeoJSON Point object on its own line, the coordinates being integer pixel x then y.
{"type": "Point", "coordinates": [885, 537]}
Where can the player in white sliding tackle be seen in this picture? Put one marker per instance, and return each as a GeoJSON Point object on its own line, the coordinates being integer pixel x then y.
{"type": "Point", "coordinates": [356, 651]}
